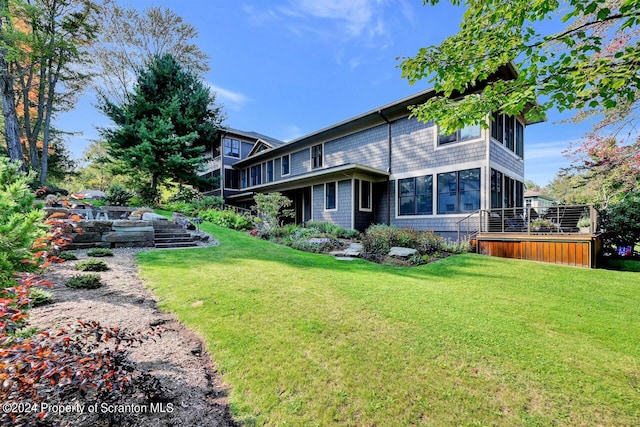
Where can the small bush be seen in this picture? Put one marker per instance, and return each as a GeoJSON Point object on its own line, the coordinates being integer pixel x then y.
{"type": "Point", "coordinates": [39, 297]}
{"type": "Point", "coordinates": [315, 246]}
{"type": "Point", "coordinates": [226, 218]}
{"type": "Point", "coordinates": [332, 229]}
{"type": "Point", "coordinates": [84, 281]}
{"type": "Point", "coordinates": [99, 252]}
{"type": "Point", "coordinates": [117, 195]}
{"type": "Point", "coordinates": [457, 247]}
{"type": "Point", "coordinates": [185, 195]}
{"type": "Point", "coordinates": [68, 256]}
{"type": "Point", "coordinates": [92, 265]}
{"type": "Point", "coordinates": [378, 239]}
{"type": "Point", "coordinates": [428, 242]}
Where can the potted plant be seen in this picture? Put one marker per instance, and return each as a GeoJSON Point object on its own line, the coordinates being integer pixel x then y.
{"type": "Point", "coordinates": [584, 224]}
{"type": "Point", "coordinates": [542, 225]}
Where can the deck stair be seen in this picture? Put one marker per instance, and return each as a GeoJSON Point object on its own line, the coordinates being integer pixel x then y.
{"type": "Point", "coordinates": [170, 235]}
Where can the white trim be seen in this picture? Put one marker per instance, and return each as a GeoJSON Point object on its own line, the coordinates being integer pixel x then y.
{"type": "Point", "coordinates": [311, 168]}
{"type": "Point", "coordinates": [505, 171]}
{"type": "Point", "coordinates": [353, 203]}
{"type": "Point", "coordinates": [370, 208]}
{"type": "Point", "coordinates": [436, 146]}
{"type": "Point", "coordinates": [325, 196]}
{"type": "Point", "coordinates": [281, 165]}
{"type": "Point", "coordinates": [239, 157]}
{"type": "Point", "coordinates": [440, 169]}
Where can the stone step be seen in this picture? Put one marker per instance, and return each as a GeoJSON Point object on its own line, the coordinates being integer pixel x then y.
{"type": "Point", "coordinates": [174, 240]}
{"type": "Point", "coordinates": [176, 245]}
{"type": "Point", "coordinates": [168, 235]}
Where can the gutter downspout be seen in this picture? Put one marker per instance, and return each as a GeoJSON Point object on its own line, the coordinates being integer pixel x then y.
{"type": "Point", "coordinates": [389, 166]}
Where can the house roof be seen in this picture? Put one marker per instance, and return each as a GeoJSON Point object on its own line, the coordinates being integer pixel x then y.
{"type": "Point", "coordinates": [347, 170]}
{"type": "Point", "coordinates": [272, 142]}
{"type": "Point", "coordinates": [381, 115]}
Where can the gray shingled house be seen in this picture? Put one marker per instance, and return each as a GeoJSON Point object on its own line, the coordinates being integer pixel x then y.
{"type": "Point", "coordinates": [380, 167]}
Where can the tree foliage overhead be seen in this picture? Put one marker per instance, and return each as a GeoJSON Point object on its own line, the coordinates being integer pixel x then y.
{"type": "Point", "coordinates": [130, 40]}
{"type": "Point", "coordinates": [161, 129]}
{"type": "Point", "coordinates": [590, 64]}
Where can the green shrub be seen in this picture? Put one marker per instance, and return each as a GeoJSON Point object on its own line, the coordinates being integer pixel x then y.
{"type": "Point", "coordinates": [428, 242]}
{"type": "Point", "coordinates": [39, 297]}
{"type": "Point", "coordinates": [99, 252]}
{"type": "Point", "coordinates": [378, 239]}
{"type": "Point", "coordinates": [271, 209]}
{"type": "Point", "coordinates": [85, 281]}
{"type": "Point", "coordinates": [68, 256]}
{"type": "Point", "coordinates": [455, 247]}
{"type": "Point", "coordinates": [185, 195]}
{"type": "Point", "coordinates": [181, 207]}
{"type": "Point", "coordinates": [226, 218]}
{"type": "Point", "coordinates": [315, 246]}
{"type": "Point", "coordinates": [92, 265]}
{"type": "Point", "coordinates": [117, 195]}
{"type": "Point", "coordinates": [20, 222]}
{"type": "Point", "coordinates": [332, 229]}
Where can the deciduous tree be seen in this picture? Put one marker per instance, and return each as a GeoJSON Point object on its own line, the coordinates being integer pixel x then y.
{"type": "Point", "coordinates": [590, 63]}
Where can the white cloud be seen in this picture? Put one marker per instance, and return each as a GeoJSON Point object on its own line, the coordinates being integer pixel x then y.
{"type": "Point", "coordinates": [231, 99]}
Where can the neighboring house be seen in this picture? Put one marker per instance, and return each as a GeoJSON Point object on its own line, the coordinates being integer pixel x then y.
{"type": "Point", "coordinates": [384, 167]}
{"type": "Point", "coordinates": [534, 199]}
{"type": "Point", "coordinates": [232, 146]}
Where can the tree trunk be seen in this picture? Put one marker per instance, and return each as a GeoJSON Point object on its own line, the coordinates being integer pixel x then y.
{"type": "Point", "coordinates": [11, 126]}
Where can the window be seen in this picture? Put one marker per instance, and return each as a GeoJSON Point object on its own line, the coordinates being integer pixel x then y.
{"type": "Point", "coordinates": [465, 134]}
{"type": "Point", "coordinates": [497, 127]}
{"type": "Point", "coordinates": [231, 147]}
{"type": "Point", "coordinates": [365, 196]}
{"type": "Point", "coordinates": [285, 164]}
{"type": "Point", "coordinates": [509, 132]}
{"type": "Point", "coordinates": [415, 196]}
{"type": "Point", "coordinates": [232, 179]}
{"type": "Point", "coordinates": [316, 156]}
{"type": "Point", "coordinates": [496, 189]}
{"type": "Point", "coordinates": [244, 178]}
{"type": "Point", "coordinates": [330, 196]}
{"type": "Point", "coordinates": [519, 139]}
{"type": "Point", "coordinates": [459, 192]}
{"type": "Point", "coordinates": [513, 193]}
{"type": "Point", "coordinates": [256, 175]}
{"type": "Point", "coordinates": [270, 171]}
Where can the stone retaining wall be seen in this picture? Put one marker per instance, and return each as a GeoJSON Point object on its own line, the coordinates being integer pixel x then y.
{"type": "Point", "coordinates": [112, 234]}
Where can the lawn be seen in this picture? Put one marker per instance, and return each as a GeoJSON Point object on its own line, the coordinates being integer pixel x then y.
{"type": "Point", "coordinates": [304, 339]}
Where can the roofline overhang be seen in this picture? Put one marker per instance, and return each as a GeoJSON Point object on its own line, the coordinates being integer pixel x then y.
{"type": "Point", "coordinates": [347, 171]}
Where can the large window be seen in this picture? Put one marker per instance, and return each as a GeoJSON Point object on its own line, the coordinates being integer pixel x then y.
{"type": "Point", "coordinates": [459, 192]}
{"type": "Point", "coordinates": [415, 195]}
{"type": "Point", "coordinates": [316, 156]}
{"type": "Point", "coordinates": [231, 147]}
{"type": "Point", "coordinates": [232, 179]}
{"type": "Point", "coordinates": [330, 196]}
{"type": "Point", "coordinates": [285, 165]}
{"type": "Point", "coordinates": [465, 134]}
{"type": "Point", "coordinates": [365, 196]}
{"type": "Point", "coordinates": [270, 171]}
{"type": "Point", "coordinates": [496, 189]}
{"type": "Point", "coordinates": [519, 139]}
{"type": "Point", "coordinates": [497, 127]}
{"type": "Point", "coordinates": [509, 131]}
{"type": "Point", "coordinates": [255, 175]}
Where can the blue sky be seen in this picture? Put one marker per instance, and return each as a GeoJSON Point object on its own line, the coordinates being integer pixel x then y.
{"type": "Point", "coordinates": [286, 68]}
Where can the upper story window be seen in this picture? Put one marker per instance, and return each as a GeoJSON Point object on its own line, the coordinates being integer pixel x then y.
{"type": "Point", "coordinates": [415, 195]}
{"type": "Point", "coordinates": [255, 175]}
{"type": "Point", "coordinates": [285, 165]}
{"type": "Point", "coordinates": [508, 130]}
{"type": "Point", "coordinates": [459, 192]}
{"type": "Point", "coordinates": [231, 147]}
{"type": "Point", "coordinates": [270, 171]}
{"type": "Point", "coordinates": [467, 133]}
{"type": "Point", "coordinates": [316, 156]}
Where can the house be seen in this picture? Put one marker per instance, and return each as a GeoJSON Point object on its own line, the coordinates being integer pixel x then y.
{"type": "Point", "coordinates": [383, 167]}
{"type": "Point", "coordinates": [535, 199]}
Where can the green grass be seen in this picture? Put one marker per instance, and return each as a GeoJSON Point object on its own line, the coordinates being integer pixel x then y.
{"type": "Point", "coordinates": [303, 339]}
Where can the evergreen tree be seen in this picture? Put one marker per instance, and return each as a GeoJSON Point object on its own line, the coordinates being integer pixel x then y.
{"type": "Point", "coordinates": [161, 129]}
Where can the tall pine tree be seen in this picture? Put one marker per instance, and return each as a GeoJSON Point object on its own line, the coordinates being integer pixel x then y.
{"type": "Point", "coordinates": [161, 129]}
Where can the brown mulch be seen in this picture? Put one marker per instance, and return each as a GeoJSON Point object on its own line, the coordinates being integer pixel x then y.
{"type": "Point", "coordinates": [179, 366]}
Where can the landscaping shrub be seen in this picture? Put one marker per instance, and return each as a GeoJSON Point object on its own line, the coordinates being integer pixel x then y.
{"type": "Point", "coordinates": [85, 281]}
{"type": "Point", "coordinates": [92, 265]}
{"type": "Point", "coordinates": [315, 245]}
{"type": "Point", "coordinates": [331, 229]}
{"type": "Point", "coordinates": [117, 195]}
{"type": "Point", "coordinates": [226, 218]}
{"type": "Point", "coordinates": [39, 297]}
{"type": "Point", "coordinates": [99, 252]}
{"type": "Point", "coordinates": [455, 247]}
{"type": "Point", "coordinates": [271, 209]}
{"type": "Point", "coordinates": [20, 222]}
{"type": "Point", "coordinates": [378, 239]}
{"type": "Point", "coordinates": [68, 256]}
{"type": "Point", "coordinates": [185, 195]}
{"type": "Point", "coordinates": [428, 242]}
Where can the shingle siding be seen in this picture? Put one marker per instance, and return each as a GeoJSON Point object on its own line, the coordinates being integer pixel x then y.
{"type": "Point", "coordinates": [507, 160]}
{"type": "Point", "coordinates": [368, 147]}
{"type": "Point", "coordinates": [300, 162]}
{"type": "Point", "coordinates": [343, 215]}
